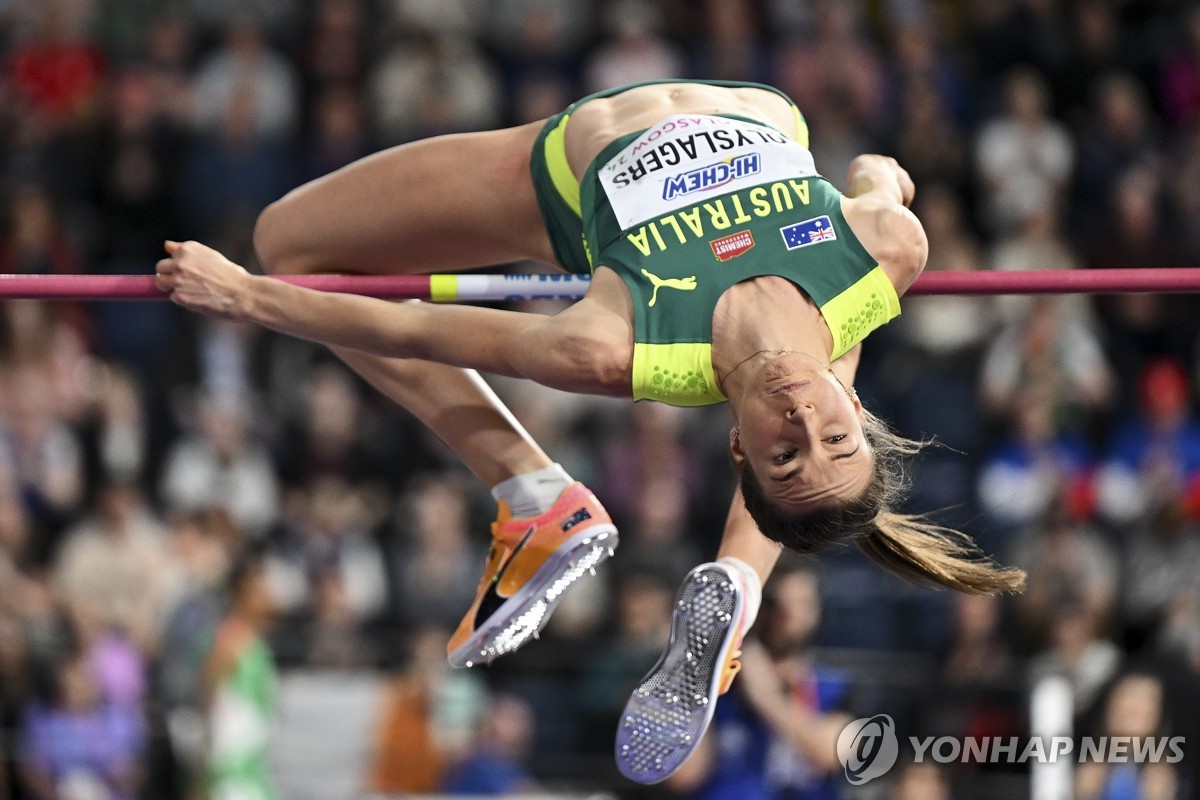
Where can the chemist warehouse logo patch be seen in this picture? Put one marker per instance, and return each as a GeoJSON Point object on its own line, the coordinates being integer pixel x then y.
{"type": "Point", "coordinates": [811, 231]}
{"type": "Point", "coordinates": [732, 246]}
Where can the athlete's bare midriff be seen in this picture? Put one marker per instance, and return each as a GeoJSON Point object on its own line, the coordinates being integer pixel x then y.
{"type": "Point", "coordinates": [598, 122]}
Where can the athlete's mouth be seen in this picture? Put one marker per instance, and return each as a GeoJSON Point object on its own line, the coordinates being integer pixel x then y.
{"type": "Point", "coordinates": [788, 387]}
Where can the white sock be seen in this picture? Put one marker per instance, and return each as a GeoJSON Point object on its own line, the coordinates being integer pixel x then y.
{"type": "Point", "coordinates": [751, 583]}
{"type": "Point", "coordinates": [533, 493]}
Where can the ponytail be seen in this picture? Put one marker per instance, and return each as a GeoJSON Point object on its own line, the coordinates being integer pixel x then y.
{"type": "Point", "coordinates": [906, 545]}
{"type": "Point", "coordinates": [930, 555]}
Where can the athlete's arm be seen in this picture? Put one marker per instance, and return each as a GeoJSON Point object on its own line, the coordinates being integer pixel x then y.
{"type": "Point", "coordinates": [578, 350]}
{"type": "Point", "coordinates": [880, 176]}
{"type": "Point", "coordinates": [742, 539]}
{"type": "Point", "coordinates": [877, 210]}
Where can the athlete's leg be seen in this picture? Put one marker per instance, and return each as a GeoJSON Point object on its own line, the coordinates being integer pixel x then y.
{"type": "Point", "coordinates": [446, 204]}
{"type": "Point", "coordinates": [443, 204]}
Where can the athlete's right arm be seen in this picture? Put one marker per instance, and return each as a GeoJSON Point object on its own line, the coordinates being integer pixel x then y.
{"type": "Point", "coordinates": [876, 206]}
{"type": "Point", "coordinates": [583, 349]}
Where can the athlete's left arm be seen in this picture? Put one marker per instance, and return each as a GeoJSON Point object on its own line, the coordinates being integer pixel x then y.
{"type": "Point", "coordinates": [742, 539]}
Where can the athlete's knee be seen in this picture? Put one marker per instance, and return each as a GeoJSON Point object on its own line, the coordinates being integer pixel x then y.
{"type": "Point", "coordinates": [272, 242]}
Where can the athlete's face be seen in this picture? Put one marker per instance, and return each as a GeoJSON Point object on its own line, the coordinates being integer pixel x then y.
{"type": "Point", "coordinates": [801, 433]}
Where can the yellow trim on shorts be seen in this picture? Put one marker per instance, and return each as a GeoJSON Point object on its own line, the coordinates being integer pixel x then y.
{"type": "Point", "coordinates": [801, 127]}
{"type": "Point", "coordinates": [860, 309]}
{"type": "Point", "coordinates": [560, 169]}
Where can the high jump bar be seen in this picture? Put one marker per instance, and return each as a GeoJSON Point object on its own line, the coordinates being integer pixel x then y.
{"type": "Point", "coordinates": [473, 287]}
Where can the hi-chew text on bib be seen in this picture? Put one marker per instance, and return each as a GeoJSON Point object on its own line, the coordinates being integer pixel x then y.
{"type": "Point", "coordinates": [687, 158]}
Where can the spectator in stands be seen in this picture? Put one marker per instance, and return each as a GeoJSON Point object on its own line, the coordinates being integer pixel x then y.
{"type": "Point", "coordinates": [495, 762]}
{"type": "Point", "coordinates": [117, 434]}
{"type": "Point", "coordinates": [930, 140]}
{"type": "Point", "coordinates": [1135, 707]}
{"type": "Point", "coordinates": [835, 66]}
{"type": "Point", "coordinates": [1119, 136]}
{"type": "Point", "coordinates": [233, 169]}
{"type": "Point", "coordinates": [337, 50]}
{"type": "Point", "coordinates": [538, 37]}
{"type": "Point", "coordinates": [1138, 233]}
{"type": "Point", "coordinates": [328, 438]}
{"type": "Point", "coordinates": [201, 548]}
{"type": "Point", "coordinates": [56, 74]}
{"type": "Point", "coordinates": [170, 48]}
{"type": "Point", "coordinates": [1077, 651]}
{"type": "Point", "coordinates": [76, 744]}
{"type": "Point", "coordinates": [221, 465]}
{"type": "Point", "coordinates": [338, 133]}
{"type": "Point", "coordinates": [113, 566]}
{"type": "Point", "coordinates": [1074, 565]}
{"type": "Point", "coordinates": [1180, 79]}
{"type": "Point", "coordinates": [1095, 49]}
{"type": "Point", "coordinates": [1047, 347]}
{"type": "Point", "coordinates": [40, 454]}
{"type": "Point", "coordinates": [1034, 464]}
{"type": "Point", "coordinates": [1154, 458]}
{"type": "Point", "coordinates": [641, 618]}
{"type": "Point", "coordinates": [433, 568]}
{"type": "Point", "coordinates": [1162, 559]}
{"type": "Point", "coordinates": [1024, 156]}
{"type": "Point", "coordinates": [240, 688]}
{"type": "Point", "coordinates": [246, 79]}
{"type": "Point", "coordinates": [430, 85]}
{"type": "Point", "coordinates": [977, 690]}
{"type": "Point", "coordinates": [634, 48]}
{"type": "Point", "coordinates": [426, 719]}
{"type": "Point", "coordinates": [654, 442]}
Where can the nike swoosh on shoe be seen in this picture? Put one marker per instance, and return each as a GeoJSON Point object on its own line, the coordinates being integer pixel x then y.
{"type": "Point", "coordinates": [492, 599]}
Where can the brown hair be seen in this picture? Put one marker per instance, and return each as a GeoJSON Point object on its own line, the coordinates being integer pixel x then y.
{"type": "Point", "coordinates": [907, 545]}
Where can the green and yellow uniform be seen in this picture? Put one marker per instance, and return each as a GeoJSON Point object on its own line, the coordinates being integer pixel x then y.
{"type": "Point", "coordinates": [687, 208]}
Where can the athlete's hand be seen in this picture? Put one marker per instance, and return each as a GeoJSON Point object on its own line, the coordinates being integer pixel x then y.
{"type": "Point", "coordinates": [870, 171]}
{"type": "Point", "coordinates": [201, 279]}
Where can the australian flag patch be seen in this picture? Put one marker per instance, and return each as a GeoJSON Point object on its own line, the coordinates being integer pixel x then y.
{"type": "Point", "coordinates": [811, 231]}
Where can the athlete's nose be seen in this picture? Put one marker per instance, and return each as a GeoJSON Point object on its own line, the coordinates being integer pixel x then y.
{"type": "Point", "coordinates": [799, 411]}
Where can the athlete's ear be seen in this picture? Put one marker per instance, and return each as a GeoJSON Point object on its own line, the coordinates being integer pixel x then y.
{"type": "Point", "coordinates": [735, 447]}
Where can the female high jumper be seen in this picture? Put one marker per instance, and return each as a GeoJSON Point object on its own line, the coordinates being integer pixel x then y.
{"type": "Point", "coordinates": [723, 268]}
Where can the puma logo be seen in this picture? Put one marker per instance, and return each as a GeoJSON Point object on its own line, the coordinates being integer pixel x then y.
{"type": "Point", "coordinates": [685, 284]}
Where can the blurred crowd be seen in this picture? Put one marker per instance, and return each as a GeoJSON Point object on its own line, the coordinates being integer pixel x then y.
{"type": "Point", "coordinates": [194, 513]}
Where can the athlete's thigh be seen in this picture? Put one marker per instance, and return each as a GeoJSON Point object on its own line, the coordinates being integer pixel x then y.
{"type": "Point", "coordinates": [448, 203]}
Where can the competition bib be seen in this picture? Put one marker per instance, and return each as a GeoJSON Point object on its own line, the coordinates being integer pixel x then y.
{"type": "Point", "coordinates": [688, 157]}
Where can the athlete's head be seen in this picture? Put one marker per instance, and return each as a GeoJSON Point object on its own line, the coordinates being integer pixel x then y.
{"type": "Point", "coordinates": [817, 469]}
{"type": "Point", "coordinates": [800, 433]}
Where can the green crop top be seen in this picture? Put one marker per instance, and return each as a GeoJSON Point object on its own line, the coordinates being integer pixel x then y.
{"type": "Point", "coordinates": [689, 207]}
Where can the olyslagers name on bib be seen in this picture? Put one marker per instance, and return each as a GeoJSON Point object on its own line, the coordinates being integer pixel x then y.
{"type": "Point", "coordinates": [686, 157]}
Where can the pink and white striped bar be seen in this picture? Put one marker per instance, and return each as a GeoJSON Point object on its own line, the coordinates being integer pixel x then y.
{"type": "Point", "coordinates": [481, 288]}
